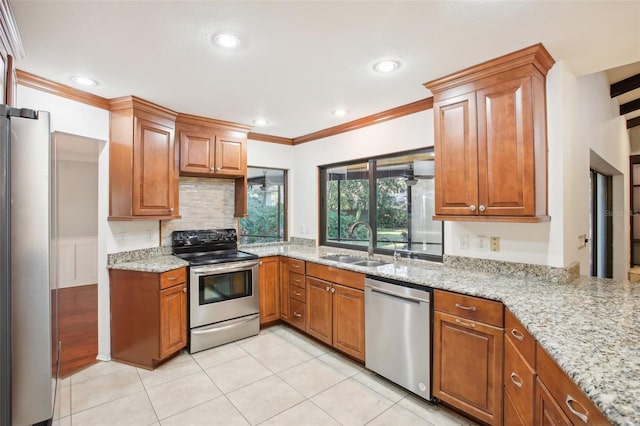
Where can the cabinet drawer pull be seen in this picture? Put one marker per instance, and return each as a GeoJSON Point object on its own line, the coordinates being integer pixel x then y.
{"type": "Point", "coordinates": [295, 314]}
{"type": "Point", "coordinates": [581, 416]}
{"type": "Point", "coordinates": [466, 308]}
{"type": "Point", "coordinates": [466, 324]}
{"type": "Point", "coordinates": [175, 277]}
{"type": "Point", "coordinates": [515, 333]}
{"type": "Point", "coordinates": [297, 280]}
{"type": "Point", "coordinates": [297, 293]}
{"type": "Point", "coordinates": [516, 379]}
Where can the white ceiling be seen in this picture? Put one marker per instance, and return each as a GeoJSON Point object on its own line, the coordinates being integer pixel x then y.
{"type": "Point", "coordinates": [303, 59]}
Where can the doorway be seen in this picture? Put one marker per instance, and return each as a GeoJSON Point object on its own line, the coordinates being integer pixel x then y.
{"type": "Point", "coordinates": [75, 232]}
{"type": "Point", "coordinates": [601, 225]}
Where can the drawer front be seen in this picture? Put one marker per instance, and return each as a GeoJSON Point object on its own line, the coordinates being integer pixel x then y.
{"type": "Point", "coordinates": [296, 265]}
{"type": "Point", "coordinates": [173, 277]}
{"type": "Point", "coordinates": [519, 381]}
{"type": "Point", "coordinates": [473, 308]}
{"type": "Point", "coordinates": [297, 280]}
{"type": "Point", "coordinates": [297, 312]}
{"type": "Point", "coordinates": [297, 293]}
{"type": "Point", "coordinates": [573, 402]}
{"type": "Point", "coordinates": [336, 275]}
{"type": "Point", "coordinates": [511, 415]}
{"type": "Point", "coordinates": [520, 337]}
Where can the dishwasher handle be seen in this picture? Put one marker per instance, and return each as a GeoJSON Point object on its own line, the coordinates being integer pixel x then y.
{"type": "Point", "coordinates": [398, 295]}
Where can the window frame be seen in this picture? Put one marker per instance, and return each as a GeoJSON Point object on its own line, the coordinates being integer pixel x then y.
{"type": "Point", "coordinates": [285, 205]}
{"type": "Point", "coordinates": [373, 206]}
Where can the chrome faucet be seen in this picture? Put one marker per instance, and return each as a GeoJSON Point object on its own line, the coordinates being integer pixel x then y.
{"type": "Point", "coordinates": [353, 227]}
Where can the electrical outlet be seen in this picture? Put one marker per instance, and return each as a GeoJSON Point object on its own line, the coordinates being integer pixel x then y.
{"type": "Point", "coordinates": [483, 243]}
{"type": "Point", "coordinates": [495, 243]}
{"type": "Point", "coordinates": [463, 243]}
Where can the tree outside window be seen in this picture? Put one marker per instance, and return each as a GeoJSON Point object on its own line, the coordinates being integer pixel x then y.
{"type": "Point", "coordinates": [266, 206]}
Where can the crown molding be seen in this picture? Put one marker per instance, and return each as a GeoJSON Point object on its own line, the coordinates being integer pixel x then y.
{"type": "Point", "coordinates": [370, 120]}
{"type": "Point", "coordinates": [40, 83]}
{"type": "Point", "coordinates": [269, 138]}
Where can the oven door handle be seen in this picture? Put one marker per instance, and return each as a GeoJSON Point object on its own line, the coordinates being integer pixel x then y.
{"type": "Point", "coordinates": [226, 267]}
{"type": "Point", "coordinates": [228, 324]}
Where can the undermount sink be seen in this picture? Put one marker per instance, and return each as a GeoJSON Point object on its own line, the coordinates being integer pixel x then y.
{"type": "Point", "coordinates": [342, 258]}
{"type": "Point", "coordinates": [369, 263]}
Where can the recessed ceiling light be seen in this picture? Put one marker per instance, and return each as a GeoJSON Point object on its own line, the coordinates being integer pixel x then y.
{"type": "Point", "coordinates": [83, 81]}
{"type": "Point", "coordinates": [386, 66]}
{"type": "Point", "coordinates": [260, 122]}
{"type": "Point", "coordinates": [227, 40]}
{"type": "Point", "coordinates": [339, 112]}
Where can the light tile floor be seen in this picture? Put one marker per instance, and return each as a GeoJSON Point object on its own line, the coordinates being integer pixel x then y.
{"type": "Point", "coordinates": [279, 377]}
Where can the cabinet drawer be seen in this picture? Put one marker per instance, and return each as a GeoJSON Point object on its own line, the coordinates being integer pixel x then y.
{"type": "Point", "coordinates": [297, 310]}
{"type": "Point", "coordinates": [296, 265]}
{"type": "Point", "coordinates": [173, 277]}
{"type": "Point", "coordinates": [297, 293]}
{"type": "Point", "coordinates": [511, 415]}
{"type": "Point", "coordinates": [336, 275]}
{"type": "Point", "coordinates": [473, 308]}
{"type": "Point", "coordinates": [519, 381]}
{"type": "Point", "coordinates": [296, 279]}
{"type": "Point", "coordinates": [573, 402]}
{"type": "Point", "coordinates": [520, 337]}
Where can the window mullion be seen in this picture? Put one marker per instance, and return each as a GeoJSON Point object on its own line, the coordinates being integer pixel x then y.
{"type": "Point", "coordinates": [373, 204]}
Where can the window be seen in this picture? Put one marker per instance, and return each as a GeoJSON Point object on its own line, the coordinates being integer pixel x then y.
{"type": "Point", "coordinates": [394, 194]}
{"type": "Point", "coordinates": [266, 219]}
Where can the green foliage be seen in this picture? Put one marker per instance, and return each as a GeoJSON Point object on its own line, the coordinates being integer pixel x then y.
{"type": "Point", "coordinates": [262, 223]}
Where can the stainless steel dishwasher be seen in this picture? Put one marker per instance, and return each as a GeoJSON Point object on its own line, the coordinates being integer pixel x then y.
{"type": "Point", "coordinates": [398, 333]}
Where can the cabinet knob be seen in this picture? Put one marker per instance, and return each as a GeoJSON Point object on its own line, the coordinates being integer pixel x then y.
{"type": "Point", "coordinates": [184, 290]}
{"type": "Point", "coordinates": [333, 290]}
{"type": "Point", "coordinates": [171, 209]}
{"type": "Point", "coordinates": [213, 169]}
{"type": "Point", "coordinates": [482, 208]}
{"type": "Point", "coordinates": [472, 207]}
{"type": "Point", "coordinates": [327, 289]}
{"type": "Point", "coordinates": [261, 263]}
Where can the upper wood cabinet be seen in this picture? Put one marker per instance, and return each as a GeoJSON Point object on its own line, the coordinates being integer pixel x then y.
{"type": "Point", "coordinates": [490, 139]}
{"type": "Point", "coordinates": [143, 172]}
{"type": "Point", "coordinates": [211, 148]}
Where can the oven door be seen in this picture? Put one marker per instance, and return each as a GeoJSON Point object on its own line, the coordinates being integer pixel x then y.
{"type": "Point", "coordinates": [222, 291]}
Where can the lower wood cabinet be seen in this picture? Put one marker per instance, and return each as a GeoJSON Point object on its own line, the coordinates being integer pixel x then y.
{"type": "Point", "coordinates": [547, 410]}
{"type": "Point", "coordinates": [335, 312]}
{"type": "Point", "coordinates": [269, 287]}
{"type": "Point", "coordinates": [467, 356]}
{"type": "Point", "coordinates": [148, 315]}
{"type": "Point", "coordinates": [284, 289]}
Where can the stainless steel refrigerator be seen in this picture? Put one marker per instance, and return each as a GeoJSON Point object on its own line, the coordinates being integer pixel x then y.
{"type": "Point", "coordinates": [27, 355]}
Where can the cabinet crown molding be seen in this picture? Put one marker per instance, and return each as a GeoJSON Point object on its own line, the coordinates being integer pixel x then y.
{"type": "Point", "coordinates": [536, 56]}
{"type": "Point", "coordinates": [133, 102]}
{"type": "Point", "coordinates": [209, 122]}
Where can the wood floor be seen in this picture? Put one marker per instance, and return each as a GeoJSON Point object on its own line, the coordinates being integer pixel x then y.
{"type": "Point", "coordinates": [77, 327]}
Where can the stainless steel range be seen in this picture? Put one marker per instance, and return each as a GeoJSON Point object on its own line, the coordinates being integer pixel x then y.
{"type": "Point", "coordinates": [223, 287]}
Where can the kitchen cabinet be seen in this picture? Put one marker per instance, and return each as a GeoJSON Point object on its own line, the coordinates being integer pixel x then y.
{"type": "Point", "coordinates": [490, 139]}
{"type": "Point", "coordinates": [143, 173]}
{"type": "Point", "coordinates": [468, 354]}
{"type": "Point", "coordinates": [214, 148]}
{"type": "Point", "coordinates": [269, 275]}
{"type": "Point", "coordinates": [284, 289]}
{"type": "Point", "coordinates": [335, 308]}
{"type": "Point", "coordinates": [148, 315]}
{"type": "Point", "coordinates": [559, 400]}
{"type": "Point", "coordinates": [519, 371]}
{"type": "Point", "coordinates": [297, 293]}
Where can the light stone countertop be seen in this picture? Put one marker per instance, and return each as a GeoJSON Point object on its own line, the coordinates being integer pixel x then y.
{"type": "Point", "coordinates": [590, 327]}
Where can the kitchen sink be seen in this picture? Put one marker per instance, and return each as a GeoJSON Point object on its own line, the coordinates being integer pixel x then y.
{"type": "Point", "coordinates": [369, 263]}
{"type": "Point", "coordinates": [342, 258]}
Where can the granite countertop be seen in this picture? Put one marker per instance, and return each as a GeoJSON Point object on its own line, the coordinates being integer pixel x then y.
{"type": "Point", "coordinates": [590, 326]}
{"type": "Point", "coordinates": [153, 264]}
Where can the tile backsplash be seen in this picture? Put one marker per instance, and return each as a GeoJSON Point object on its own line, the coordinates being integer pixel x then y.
{"type": "Point", "coordinates": [205, 203]}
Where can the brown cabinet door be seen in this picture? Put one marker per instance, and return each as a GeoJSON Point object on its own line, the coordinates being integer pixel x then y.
{"type": "Point", "coordinates": [197, 152]}
{"type": "Point", "coordinates": [467, 367]}
{"type": "Point", "coordinates": [547, 410]}
{"type": "Point", "coordinates": [230, 156]}
{"type": "Point", "coordinates": [456, 165]}
{"type": "Point", "coordinates": [269, 290]}
{"type": "Point", "coordinates": [318, 310]}
{"type": "Point", "coordinates": [506, 156]}
{"type": "Point", "coordinates": [173, 319]}
{"type": "Point", "coordinates": [348, 321]}
{"type": "Point", "coordinates": [154, 169]}
{"type": "Point", "coordinates": [284, 289]}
